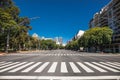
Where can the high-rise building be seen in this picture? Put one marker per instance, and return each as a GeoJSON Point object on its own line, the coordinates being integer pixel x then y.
{"type": "Point", "coordinates": [109, 16]}
{"type": "Point", "coordinates": [58, 40]}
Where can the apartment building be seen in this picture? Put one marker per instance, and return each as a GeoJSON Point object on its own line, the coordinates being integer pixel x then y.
{"type": "Point", "coordinates": [109, 16]}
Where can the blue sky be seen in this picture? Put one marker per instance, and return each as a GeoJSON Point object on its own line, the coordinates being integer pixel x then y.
{"type": "Point", "coordinates": [62, 18]}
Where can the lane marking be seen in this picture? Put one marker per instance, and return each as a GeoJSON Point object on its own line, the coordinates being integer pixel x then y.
{"type": "Point", "coordinates": [108, 68]}
{"type": "Point", "coordinates": [53, 67]}
{"type": "Point", "coordinates": [41, 68]}
{"type": "Point", "coordinates": [113, 63]}
{"type": "Point", "coordinates": [61, 77]}
{"type": "Point", "coordinates": [4, 63]}
{"type": "Point", "coordinates": [85, 67]}
{"type": "Point", "coordinates": [8, 65]}
{"type": "Point", "coordinates": [110, 65]}
{"type": "Point", "coordinates": [31, 67]}
{"type": "Point", "coordinates": [97, 68]}
{"type": "Point", "coordinates": [63, 68]}
{"type": "Point", "coordinates": [21, 67]}
{"type": "Point", "coordinates": [74, 67]}
{"type": "Point", "coordinates": [12, 67]}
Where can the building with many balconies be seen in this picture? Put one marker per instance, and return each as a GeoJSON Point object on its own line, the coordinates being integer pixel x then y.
{"type": "Point", "coordinates": [109, 16]}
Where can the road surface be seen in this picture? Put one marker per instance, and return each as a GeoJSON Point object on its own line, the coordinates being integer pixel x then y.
{"type": "Point", "coordinates": [60, 65]}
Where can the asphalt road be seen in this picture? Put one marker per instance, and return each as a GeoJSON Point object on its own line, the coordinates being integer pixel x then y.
{"type": "Point", "coordinates": [60, 65]}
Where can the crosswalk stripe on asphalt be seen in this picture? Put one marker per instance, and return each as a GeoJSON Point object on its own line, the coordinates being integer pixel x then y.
{"type": "Point", "coordinates": [74, 68]}
{"type": "Point", "coordinates": [3, 70]}
{"type": "Point", "coordinates": [63, 68]}
{"type": "Point", "coordinates": [41, 68]}
{"type": "Point", "coordinates": [95, 67]}
{"type": "Point", "coordinates": [88, 67]}
{"type": "Point", "coordinates": [110, 65]}
{"type": "Point", "coordinates": [85, 67]}
{"type": "Point", "coordinates": [113, 64]}
{"type": "Point", "coordinates": [4, 63]}
{"type": "Point", "coordinates": [21, 67]}
{"type": "Point", "coordinates": [53, 67]}
{"type": "Point", "coordinates": [111, 69]}
{"type": "Point", "coordinates": [8, 65]}
{"type": "Point", "coordinates": [31, 67]}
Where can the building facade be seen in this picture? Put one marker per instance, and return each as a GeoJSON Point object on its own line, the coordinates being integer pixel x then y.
{"type": "Point", "coordinates": [58, 40]}
{"type": "Point", "coordinates": [109, 16]}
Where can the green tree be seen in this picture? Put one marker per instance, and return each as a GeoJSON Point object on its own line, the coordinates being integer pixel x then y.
{"type": "Point", "coordinates": [96, 37]}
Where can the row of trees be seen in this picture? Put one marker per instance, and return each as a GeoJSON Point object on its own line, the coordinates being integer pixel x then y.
{"type": "Point", "coordinates": [96, 38]}
{"type": "Point", "coordinates": [14, 30]}
{"type": "Point", "coordinates": [39, 44]}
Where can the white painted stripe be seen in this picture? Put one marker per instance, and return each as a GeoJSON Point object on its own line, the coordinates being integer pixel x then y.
{"type": "Point", "coordinates": [117, 63]}
{"type": "Point", "coordinates": [97, 68]}
{"type": "Point", "coordinates": [21, 67]}
{"type": "Point", "coordinates": [85, 67]}
{"type": "Point", "coordinates": [8, 65]}
{"type": "Point", "coordinates": [61, 77]}
{"type": "Point", "coordinates": [113, 63]}
{"type": "Point", "coordinates": [41, 68]}
{"type": "Point", "coordinates": [110, 65]}
{"type": "Point", "coordinates": [74, 67]}
{"type": "Point", "coordinates": [12, 67]}
{"type": "Point", "coordinates": [63, 68]}
{"type": "Point", "coordinates": [108, 68]}
{"type": "Point", "coordinates": [2, 62]}
{"type": "Point", "coordinates": [31, 67]}
{"type": "Point", "coordinates": [5, 63]}
{"type": "Point", "coordinates": [53, 67]}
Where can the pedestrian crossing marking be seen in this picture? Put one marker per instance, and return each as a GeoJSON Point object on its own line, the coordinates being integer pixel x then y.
{"type": "Point", "coordinates": [60, 54]}
{"type": "Point", "coordinates": [8, 65]}
{"type": "Point", "coordinates": [21, 67]}
{"type": "Point", "coordinates": [4, 63]}
{"type": "Point", "coordinates": [113, 64]}
{"type": "Point", "coordinates": [111, 69]}
{"type": "Point", "coordinates": [8, 68]}
{"type": "Point", "coordinates": [110, 65]}
{"type": "Point", "coordinates": [85, 67]}
{"type": "Point", "coordinates": [95, 67]}
{"type": "Point", "coordinates": [41, 68]}
{"type": "Point", "coordinates": [74, 67]}
{"type": "Point", "coordinates": [63, 68]}
{"type": "Point", "coordinates": [88, 67]}
{"type": "Point", "coordinates": [53, 67]}
{"type": "Point", "coordinates": [31, 67]}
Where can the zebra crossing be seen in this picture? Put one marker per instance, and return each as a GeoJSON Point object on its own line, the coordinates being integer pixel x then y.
{"type": "Point", "coordinates": [60, 54]}
{"type": "Point", "coordinates": [75, 67]}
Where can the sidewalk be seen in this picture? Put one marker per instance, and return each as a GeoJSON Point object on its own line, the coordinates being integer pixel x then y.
{"type": "Point", "coordinates": [2, 53]}
{"type": "Point", "coordinates": [22, 52]}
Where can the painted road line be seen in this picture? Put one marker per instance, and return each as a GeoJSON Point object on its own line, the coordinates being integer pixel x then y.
{"type": "Point", "coordinates": [85, 67]}
{"type": "Point", "coordinates": [3, 70]}
{"type": "Point", "coordinates": [41, 68]}
{"type": "Point", "coordinates": [53, 67]}
{"type": "Point", "coordinates": [8, 65]}
{"type": "Point", "coordinates": [31, 67]}
{"type": "Point", "coordinates": [61, 77]}
{"type": "Point", "coordinates": [74, 67]}
{"type": "Point", "coordinates": [63, 68]}
{"type": "Point", "coordinates": [110, 65]}
{"type": "Point", "coordinates": [5, 63]}
{"type": "Point", "coordinates": [97, 68]}
{"type": "Point", "coordinates": [108, 68]}
{"type": "Point", "coordinates": [117, 63]}
{"type": "Point", "coordinates": [21, 67]}
{"type": "Point", "coordinates": [2, 62]}
{"type": "Point", "coordinates": [113, 63]}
